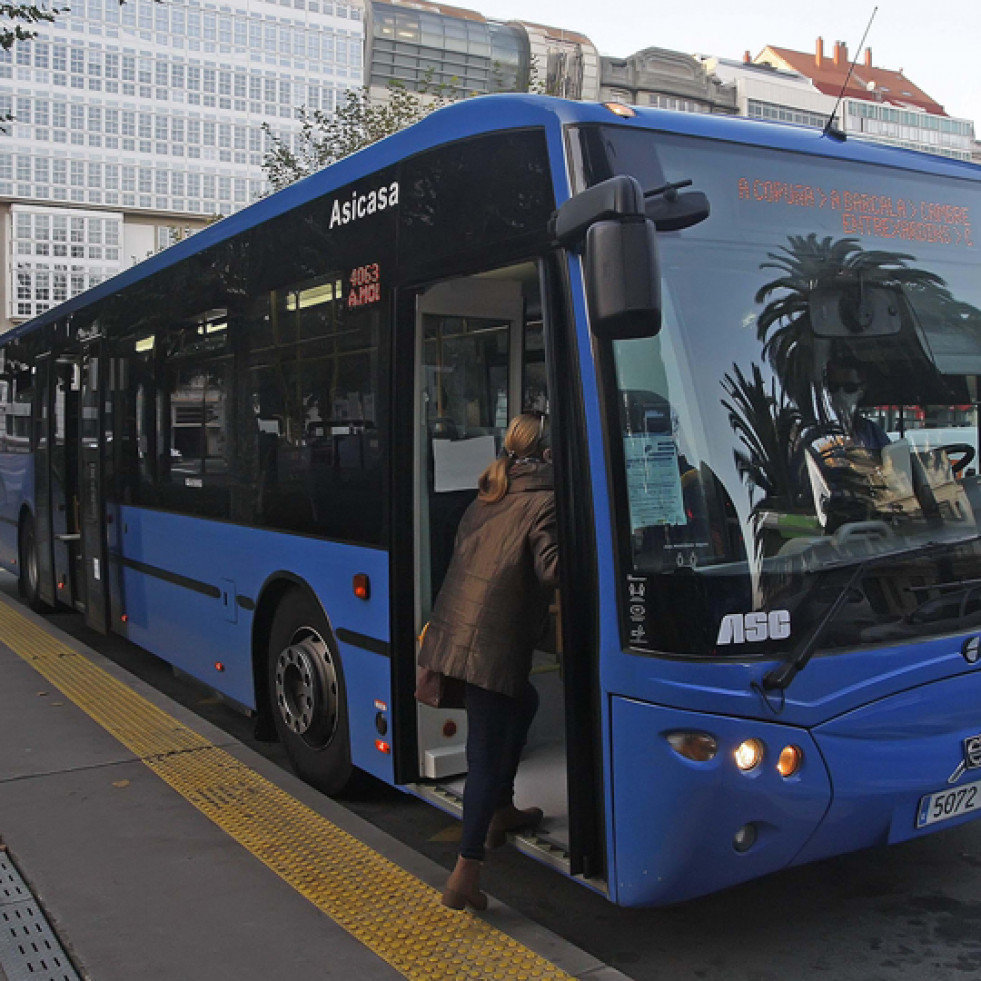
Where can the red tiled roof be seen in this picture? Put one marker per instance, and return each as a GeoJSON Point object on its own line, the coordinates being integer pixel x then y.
{"type": "Point", "coordinates": [888, 86]}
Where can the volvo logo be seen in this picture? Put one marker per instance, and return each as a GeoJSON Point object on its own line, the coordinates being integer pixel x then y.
{"type": "Point", "coordinates": [971, 649]}
{"type": "Point", "coordinates": [972, 758]}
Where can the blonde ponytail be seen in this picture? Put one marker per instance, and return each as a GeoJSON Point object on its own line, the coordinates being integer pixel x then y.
{"type": "Point", "coordinates": [527, 437]}
{"type": "Point", "coordinates": [493, 482]}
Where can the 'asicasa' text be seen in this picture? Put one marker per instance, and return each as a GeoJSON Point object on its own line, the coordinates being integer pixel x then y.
{"type": "Point", "coordinates": [360, 205]}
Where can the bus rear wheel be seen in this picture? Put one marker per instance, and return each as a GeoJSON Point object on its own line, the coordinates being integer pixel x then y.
{"type": "Point", "coordinates": [306, 687]}
{"type": "Point", "coordinates": [29, 583]}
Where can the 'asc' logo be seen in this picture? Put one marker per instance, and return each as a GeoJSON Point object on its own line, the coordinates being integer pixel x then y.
{"type": "Point", "coordinates": [751, 628]}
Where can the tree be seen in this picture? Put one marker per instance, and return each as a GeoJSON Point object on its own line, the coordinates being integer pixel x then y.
{"type": "Point", "coordinates": [807, 264]}
{"type": "Point", "coordinates": [11, 13]}
{"type": "Point", "coordinates": [13, 16]}
{"type": "Point", "coordinates": [768, 425]}
{"type": "Point", "coordinates": [325, 138]}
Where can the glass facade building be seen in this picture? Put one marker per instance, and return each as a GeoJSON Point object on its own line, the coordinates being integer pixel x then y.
{"type": "Point", "coordinates": [126, 112]}
{"type": "Point", "coordinates": [910, 128]}
{"type": "Point", "coordinates": [423, 48]}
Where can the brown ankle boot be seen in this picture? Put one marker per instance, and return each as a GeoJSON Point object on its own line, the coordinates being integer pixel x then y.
{"type": "Point", "coordinates": [510, 818]}
{"type": "Point", "coordinates": [462, 887]}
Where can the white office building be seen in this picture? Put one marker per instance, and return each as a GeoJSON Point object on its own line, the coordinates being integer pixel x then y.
{"type": "Point", "coordinates": [135, 122]}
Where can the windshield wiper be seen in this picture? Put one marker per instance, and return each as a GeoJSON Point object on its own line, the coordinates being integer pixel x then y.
{"type": "Point", "coordinates": [780, 677]}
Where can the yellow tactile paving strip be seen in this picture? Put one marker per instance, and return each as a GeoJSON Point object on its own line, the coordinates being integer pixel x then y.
{"type": "Point", "coordinates": [391, 912]}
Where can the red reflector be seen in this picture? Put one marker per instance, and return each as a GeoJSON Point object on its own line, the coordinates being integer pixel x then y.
{"type": "Point", "coordinates": [124, 617]}
{"type": "Point", "coordinates": [362, 586]}
{"type": "Point", "coordinates": [382, 746]}
{"type": "Point", "coordinates": [449, 728]}
{"type": "Point", "coordinates": [219, 666]}
{"type": "Point", "coordinates": [61, 585]}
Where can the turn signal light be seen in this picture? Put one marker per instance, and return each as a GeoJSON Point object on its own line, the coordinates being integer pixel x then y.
{"type": "Point", "coordinates": [382, 746]}
{"type": "Point", "coordinates": [697, 746]}
{"type": "Point", "coordinates": [362, 586]}
{"type": "Point", "coordinates": [790, 760]}
{"type": "Point", "coordinates": [749, 754]}
{"type": "Point", "coordinates": [619, 109]}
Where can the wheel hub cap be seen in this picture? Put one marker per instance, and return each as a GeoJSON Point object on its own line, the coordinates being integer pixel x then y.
{"type": "Point", "coordinates": [306, 688]}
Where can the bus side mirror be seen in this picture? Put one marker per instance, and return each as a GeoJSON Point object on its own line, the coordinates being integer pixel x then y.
{"type": "Point", "coordinates": [855, 310]}
{"type": "Point", "coordinates": [623, 281]}
{"type": "Point", "coordinates": [672, 212]}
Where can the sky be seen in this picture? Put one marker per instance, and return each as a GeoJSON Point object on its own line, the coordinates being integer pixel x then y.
{"type": "Point", "coordinates": [936, 43]}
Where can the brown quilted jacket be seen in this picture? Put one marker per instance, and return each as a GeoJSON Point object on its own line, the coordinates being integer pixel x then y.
{"type": "Point", "coordinates": [493, 605]}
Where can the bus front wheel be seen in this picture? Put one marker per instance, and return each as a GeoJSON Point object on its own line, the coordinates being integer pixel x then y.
{"type": "Point", "coordinates": [306, 687]}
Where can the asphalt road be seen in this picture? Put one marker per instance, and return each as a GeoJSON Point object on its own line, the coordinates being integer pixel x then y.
{"type": "Point", "coordinates": [912, 911]}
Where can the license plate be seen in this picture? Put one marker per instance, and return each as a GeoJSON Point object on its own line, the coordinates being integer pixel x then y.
{"type": "Point", "coordinates": [949, 804]}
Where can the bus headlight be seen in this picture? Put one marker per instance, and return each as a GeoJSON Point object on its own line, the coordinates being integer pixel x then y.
{"type": "Point", "coordinates": [749, 754]}
{"type": "Point", "coordinates": [697, 746]}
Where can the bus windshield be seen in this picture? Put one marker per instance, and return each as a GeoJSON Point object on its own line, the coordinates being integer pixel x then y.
{"type": "Point", "coordinates": [809, 405]}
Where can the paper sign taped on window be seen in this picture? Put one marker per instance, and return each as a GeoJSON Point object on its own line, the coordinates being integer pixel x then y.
{"type": "Point", "coordinates": [457, 463]}
{"type": "Point", "coordinates": [653, 481]}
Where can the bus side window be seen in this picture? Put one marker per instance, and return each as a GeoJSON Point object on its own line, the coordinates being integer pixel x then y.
{"type": "Point", "coordinates": [317, 410]}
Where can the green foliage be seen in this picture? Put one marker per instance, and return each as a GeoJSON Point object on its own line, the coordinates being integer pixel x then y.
{"type": "Point", "coordinates": [358, 122]}
{"type": "Point", "coordinates": [13, 16]}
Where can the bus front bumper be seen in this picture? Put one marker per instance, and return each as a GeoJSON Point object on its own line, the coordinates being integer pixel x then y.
{"type": "Point", "coordinates": [684, 828]}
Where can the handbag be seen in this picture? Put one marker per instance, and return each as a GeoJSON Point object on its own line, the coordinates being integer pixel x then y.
{"type": "Point", "coordinates": [437, 690]}
{"type": "Point", "coordinates": [434, 688]}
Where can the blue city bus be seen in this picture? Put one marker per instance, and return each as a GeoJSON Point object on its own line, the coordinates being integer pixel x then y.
{"type": "Point", "coordinates": [760, 348]}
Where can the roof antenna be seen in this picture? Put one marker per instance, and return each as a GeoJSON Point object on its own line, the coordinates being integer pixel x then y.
{"type": "Point", "coordinates": [830, 130]}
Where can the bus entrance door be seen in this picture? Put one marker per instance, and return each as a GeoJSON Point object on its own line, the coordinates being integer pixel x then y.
{"type": "Point", "coordinates": [467, 383]}
{"type": "Point", "coordinates": [480, 359]}
{"type": "Point", "coordinates": [94, 580]}
{"type": "Point", "coordinates": [43, 466]}
{"type": "Point", "coordinates": [64, 481]}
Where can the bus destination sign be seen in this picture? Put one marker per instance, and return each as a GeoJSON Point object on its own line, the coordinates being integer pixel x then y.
{"type": "Point", "coordinates": [867, 214]}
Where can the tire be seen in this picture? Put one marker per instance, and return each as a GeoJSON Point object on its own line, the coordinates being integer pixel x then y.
{"type": "Point", "coordinates": [307, 695]}
{"type": "Point", "coordinates": [29, 581]}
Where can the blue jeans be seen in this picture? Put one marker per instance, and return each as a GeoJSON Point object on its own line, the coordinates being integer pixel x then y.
{"type": "Point", "coordinates": [497, 729]}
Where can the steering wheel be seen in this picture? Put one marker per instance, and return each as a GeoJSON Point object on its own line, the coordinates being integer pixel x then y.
{"type": "Point", "coordinates": [966, 452]}
{"type": "Point", "coordinates": [866, 530]}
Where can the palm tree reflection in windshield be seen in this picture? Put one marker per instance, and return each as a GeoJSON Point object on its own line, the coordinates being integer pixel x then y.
{"type": "Point", "coordinates": [779, 421]}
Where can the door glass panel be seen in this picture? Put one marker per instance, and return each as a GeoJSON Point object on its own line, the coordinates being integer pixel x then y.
{"type": "Point", "coordinates": [465, 394]}
{"type": "Point", "coordinates": [469, 376]}
{"type": "Point", "coordinates": [481, 360]}
{"type": "Point", "coordinates": [466, 364]}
